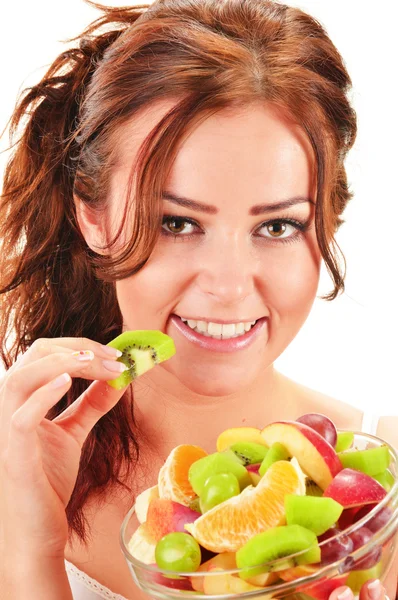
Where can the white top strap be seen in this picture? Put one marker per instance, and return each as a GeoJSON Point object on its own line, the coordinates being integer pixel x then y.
{"type": "Point", "coordinates": [86, 588]}
{"type": "Point", "coordinates": [370, 422]}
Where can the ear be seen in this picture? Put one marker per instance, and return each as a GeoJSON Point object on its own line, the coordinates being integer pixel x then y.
{"type": "Point", "coordinates": [91, 225]}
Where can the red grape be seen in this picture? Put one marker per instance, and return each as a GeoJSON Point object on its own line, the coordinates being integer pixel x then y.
{"type": "Point", "coordinates": [360, 538]}
{"type": "Point", "coordinates": [381, 518]}
{"type": "Point", "coordinates": [336, 548]}
{"type": "Point", "coordinates": [322, 424]}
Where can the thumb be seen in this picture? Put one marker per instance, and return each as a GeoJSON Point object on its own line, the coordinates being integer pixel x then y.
{"type": "Point", "coordinates": [342, 593]}
{"type": "Point", "coordinates": [81, 416]}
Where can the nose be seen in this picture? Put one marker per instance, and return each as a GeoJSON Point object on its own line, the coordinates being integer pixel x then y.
{"type": "Point", "coordinates": [227, 273]}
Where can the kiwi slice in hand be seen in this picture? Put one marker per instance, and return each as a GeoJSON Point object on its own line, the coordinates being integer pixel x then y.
{"type": "Point", "coordinates": [141, 351]}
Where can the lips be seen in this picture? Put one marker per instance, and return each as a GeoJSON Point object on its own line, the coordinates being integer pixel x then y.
{"type": "Point", "coordinates": [207, 342]}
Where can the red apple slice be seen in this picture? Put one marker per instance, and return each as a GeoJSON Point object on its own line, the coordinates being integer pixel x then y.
{"type": "Point", "coordinates": [320, 590]}
{"type": "Point", "coordinates": [315, 455]}
{"type": "Point", "coordinates": [353, 488]}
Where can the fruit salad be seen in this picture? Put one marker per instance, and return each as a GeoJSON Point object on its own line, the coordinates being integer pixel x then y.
{"type": "Point", "coordinates": [268, 507]}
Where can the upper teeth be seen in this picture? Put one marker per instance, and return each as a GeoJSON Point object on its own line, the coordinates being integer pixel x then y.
{"type": "Point", "coordinates": [218, 330]}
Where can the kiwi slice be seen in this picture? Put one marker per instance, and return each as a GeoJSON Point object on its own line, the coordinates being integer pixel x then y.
{"type": "Point", "coordinates": [371, 461]}
{"type": "Point", "coordinates": [312, 489]}
{"type": "Point", "coordinates": [275, 543]}
{"type": "Point", "coordinates": [276, 452]}
{"type": "Point", "coordinates": [313, 513]}
{"type": "Point", "coordinates": [386, 478]}
{"type": "Point", "coordinates": [250, 453]}
{"type": "Point", "coordinates": [345, 439]}
{"type": "Point", "coordinates": [141, 351]}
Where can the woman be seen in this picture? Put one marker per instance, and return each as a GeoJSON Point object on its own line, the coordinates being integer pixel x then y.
{"type": "Point", "coordinates": [223, 125]}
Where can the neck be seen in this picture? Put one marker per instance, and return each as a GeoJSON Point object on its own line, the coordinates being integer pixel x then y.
{"type": "Point", "coordinates": [169, 414]}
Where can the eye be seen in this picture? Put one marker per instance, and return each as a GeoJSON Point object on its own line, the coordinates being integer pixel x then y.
{"type": "Point", "coordinates": [280, 228]}
{"type": "Point", "coordinates": [178, 226]}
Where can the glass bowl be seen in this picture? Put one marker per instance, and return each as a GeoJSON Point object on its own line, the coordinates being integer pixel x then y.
{"type": "Point", "coordinates": [372, 560]}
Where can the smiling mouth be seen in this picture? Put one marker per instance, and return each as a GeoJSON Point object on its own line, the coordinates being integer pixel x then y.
{"type": "Point", "coordinates": [219, 331]}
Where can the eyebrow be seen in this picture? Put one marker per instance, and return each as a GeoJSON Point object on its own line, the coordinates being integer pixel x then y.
{"type": "Point", "coordinates": [257, 209]}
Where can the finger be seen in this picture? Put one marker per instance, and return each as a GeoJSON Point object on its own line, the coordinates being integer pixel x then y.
{"type": "Point", "coordinates": [79, 418]}
{"type": "Point", "coordinates": [372, 590]}
{"type": "Point", "coordinates": [22, 450]}
{"type": "Point", "coordinates": [26, 380]}
{"type": "Point", "coordinates": [342, 593]}
{"type": "Point", "coordinates": [44, 346]}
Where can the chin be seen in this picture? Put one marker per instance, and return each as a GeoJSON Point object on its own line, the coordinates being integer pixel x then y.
{"type": "Point", "coordinates": [214, 380]}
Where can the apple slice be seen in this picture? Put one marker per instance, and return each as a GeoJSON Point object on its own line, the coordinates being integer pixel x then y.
{"type": "Point", "coordinates": [164, 516]}
{"type": "Point", "coordinates": [352, 488]}
{"type": "Point", "coordinates": [238, 434]}
{"type": "Point", "coordinates": [320, 590]}
{"type": "Point", "coordinates": [224, 560]}
{"type": "Point", "coordinates": [253, 473]}
{"type": "Point", "coordinates": [217, 583]}
{"type": "Point", "coordinates": [142, 502]}
{"type": "Point", "coordinates": [315, 455]}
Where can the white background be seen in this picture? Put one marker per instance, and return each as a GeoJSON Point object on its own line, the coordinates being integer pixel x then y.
{"type": "Point", "coordinates": [347, 348]}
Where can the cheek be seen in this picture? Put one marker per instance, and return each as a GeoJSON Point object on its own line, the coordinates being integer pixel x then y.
{"type": "Point", "coordinates": [147, 298]}
{"type": "Point", "coordinates": [292, 282]}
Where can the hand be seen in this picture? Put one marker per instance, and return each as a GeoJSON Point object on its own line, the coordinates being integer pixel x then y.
{"type": "Point", "coordinates": [39, 458]}
{"type": "Point", "coordinates": [371, 590]}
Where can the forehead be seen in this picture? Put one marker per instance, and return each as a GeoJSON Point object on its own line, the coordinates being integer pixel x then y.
{"type": "Point", "coordinates": [255, 152]}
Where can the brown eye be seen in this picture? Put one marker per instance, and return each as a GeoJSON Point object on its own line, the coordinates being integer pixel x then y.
{"type": "Point", "coordinates": [280, 229]}
{"type": "Point", "coordinates": [276, 229]}
{"type": "Point", "coordinates": [178, 225]}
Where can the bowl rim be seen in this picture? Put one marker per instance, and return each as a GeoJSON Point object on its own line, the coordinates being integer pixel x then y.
{"type": "Point", "coordinates": [357, 554]}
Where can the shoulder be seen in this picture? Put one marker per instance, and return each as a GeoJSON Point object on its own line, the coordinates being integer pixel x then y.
{"type": "Point", "coordinates": [343, 414]}
{"type": "Point", "coordinates": [388, 430]}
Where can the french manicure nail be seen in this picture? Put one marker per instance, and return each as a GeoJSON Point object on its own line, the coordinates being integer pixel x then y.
{"type": "Point", "coordinates": [375, 589]}
{"type": "Point", "coordinates": [112, 351]}
{"type": "Point", "coordinates": [345, 595]}
{"type": "Point", "coordinates": [116, 367]}
{"type": "Point", "coordinates": [83, 355]}
{"type": "Point", "coordinates": [61, 380]}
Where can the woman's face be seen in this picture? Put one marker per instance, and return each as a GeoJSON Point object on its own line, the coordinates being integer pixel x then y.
{"type": "Point", "coordinates": [237, 247]}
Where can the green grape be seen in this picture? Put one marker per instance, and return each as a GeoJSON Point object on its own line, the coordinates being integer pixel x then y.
{"type": "Point", "coordinates": [217, 489]}
{"type": "Point", "coordinates": [178, 552]}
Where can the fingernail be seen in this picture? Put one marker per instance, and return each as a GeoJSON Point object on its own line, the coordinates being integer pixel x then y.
{"type": "Point", "coordinates": [375, 589]}
{"type": "Point", "coordinates": [112, 351]}
{"type": "Point", "coordinates": [61, 380]}
{"type": "Point", "coordinates": [116, 367]}
{"type": "Point", "coordinates": [345, 595]}
{"type": "Point", "coordinates": [83, 355]}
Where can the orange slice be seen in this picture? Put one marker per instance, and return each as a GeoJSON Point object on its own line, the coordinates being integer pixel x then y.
{"type": "Point", "coordinates": [173, 480]}
{"type": "Point", "coordinates": [228, 526]}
